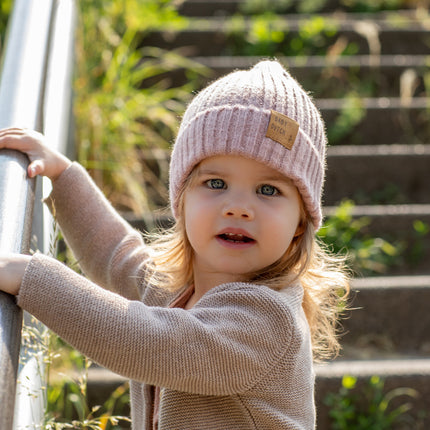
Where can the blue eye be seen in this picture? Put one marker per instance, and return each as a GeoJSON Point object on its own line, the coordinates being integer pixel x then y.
{"type": "Point", "coordinates": [268, 190]}
{"type": "Point", "coordinates": [216, 184]}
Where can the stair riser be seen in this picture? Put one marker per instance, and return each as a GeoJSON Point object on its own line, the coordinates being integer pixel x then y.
{"type": "Point", "coordinates": [377, 178]}
{"type": "Point", "coordinates": [388, 321]}
{"type": "Point", "coordinates": [418, 382]}
{"type": "Point", "coordinates": [376, 126]}
{"type": "Point", "coordinates": [211, 42]}
{"type": "Point", "coordinates": [329, 81]}
{"type": "Point", "coordinates": [368, 175]}
{"type": "Point", "coordinates": [398, 230]}
{"type": "Point", "coordinates": [196, 8]}
{"type": "Point", "coordinates": [99, 391]}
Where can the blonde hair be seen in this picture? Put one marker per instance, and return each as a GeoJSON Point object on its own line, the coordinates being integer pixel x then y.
{"type": "Point", "coordinates": [323, 276]}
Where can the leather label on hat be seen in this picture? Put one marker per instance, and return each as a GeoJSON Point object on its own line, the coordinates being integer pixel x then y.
{"type": "Point", "coordinates": [282, 129]}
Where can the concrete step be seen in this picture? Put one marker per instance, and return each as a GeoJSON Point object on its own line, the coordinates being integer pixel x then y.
{"type": "Point", "coordinates": [388, 318]}
{"type": "Point", "coordinates": [406, 227]}
{"type": "Point", "coordinates": [378, 174]}
{"type": "Point", "coordinates": [366, 174]}
{"type": "Point", "coordinates": [199, 8]}
{"type": "Point", "coordinates": [333, 77]}
{"type": "Point", "coordinates": [378, 34]}
{"type": "Point", "coordinates": [375, 121]}
{"type": "Point", "coordinates": [396, 373]}
{"type": "Point", "coordinates": [195, 8]}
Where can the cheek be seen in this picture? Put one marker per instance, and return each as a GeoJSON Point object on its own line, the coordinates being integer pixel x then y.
{"type": "Point", "coordinates": [197, 218]}
{"type": "Point", "coordinates": [284, 226]}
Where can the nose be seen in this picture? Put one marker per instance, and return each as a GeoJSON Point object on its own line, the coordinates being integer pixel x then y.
{"type": "Point", "coordinates": [238, 207]}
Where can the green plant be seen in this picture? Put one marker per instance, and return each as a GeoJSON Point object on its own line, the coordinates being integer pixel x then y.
{"type": "Point", "coordinates": [373, 5]}
{"type": "Point", "coordinates": [346, 234]}
{"type": "Point", "coordinates": [67, 398]}
{"type": "Point", "coordinates": [426, 78]}
{"type": "Point", "coordinates": [124, 101]}
{"type": "Point", "coordinates": [268, 34]}
{"type": "Point", "coordinates": [64, 398]}
{"type": "Point", "coordinates": [418, 248]}
{"type": "Point", "coordinates": [350, 115]}
{"type": "Point", "coordinates": [255, 7]}
{"type": "Point", "coordinates": [5, 9]}
{"type": "Point", "coordinates": [371, 407]}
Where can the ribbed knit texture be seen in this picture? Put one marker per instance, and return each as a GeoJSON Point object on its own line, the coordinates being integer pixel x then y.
{"type": "Point", "coordinates": [231, 116]}
{"type": "Point", "coordinates": [240, 359]}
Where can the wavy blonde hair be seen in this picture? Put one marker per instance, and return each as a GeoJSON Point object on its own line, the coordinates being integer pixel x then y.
{"type": "Point", "coordinates": [324, 276]}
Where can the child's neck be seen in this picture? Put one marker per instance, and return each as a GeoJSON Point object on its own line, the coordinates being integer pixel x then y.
{"type": "Point", "coordinates": [205, 282]}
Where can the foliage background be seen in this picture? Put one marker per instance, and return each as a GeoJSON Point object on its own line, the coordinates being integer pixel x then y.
{"type": "Point", "coordinates": [127, 113]}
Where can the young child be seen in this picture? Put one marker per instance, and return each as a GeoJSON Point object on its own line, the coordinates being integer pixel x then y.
{"type": "Point", "coordinates": [217, 321]}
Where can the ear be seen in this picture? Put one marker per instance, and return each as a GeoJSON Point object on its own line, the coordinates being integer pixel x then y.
{"type": "Point", "coordinates": [300, 229]}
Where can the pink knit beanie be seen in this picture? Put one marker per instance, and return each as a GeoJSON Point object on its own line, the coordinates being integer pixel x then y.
{"type": "Point", "coordinates": [262, 114]}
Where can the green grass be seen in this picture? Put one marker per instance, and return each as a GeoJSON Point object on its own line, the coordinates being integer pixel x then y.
{"type": "Point", "coordinates": [118, 117]}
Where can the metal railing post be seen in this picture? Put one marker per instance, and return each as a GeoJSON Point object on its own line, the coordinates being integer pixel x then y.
{"type": "Point", "coordinates": [22, 80]}
{"type": "Point", "coordinates": [31, 395]}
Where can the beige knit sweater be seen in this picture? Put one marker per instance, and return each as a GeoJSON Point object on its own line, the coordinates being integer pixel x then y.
{"type": "Point", "coordinates": [240, 359]}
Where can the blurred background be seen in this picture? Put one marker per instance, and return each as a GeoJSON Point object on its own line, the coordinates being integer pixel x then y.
{"type": "Point", "coordinates": [366, 63]}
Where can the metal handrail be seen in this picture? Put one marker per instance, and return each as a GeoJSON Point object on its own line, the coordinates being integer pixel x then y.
{"type": "Point", "coordinates": [34, 93]}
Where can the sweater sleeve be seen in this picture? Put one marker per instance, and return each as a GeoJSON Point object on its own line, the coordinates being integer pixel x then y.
{"type": "Point", "coordinates": [226, 344]}
{"type": "Point", "coordinates": [109, 251]}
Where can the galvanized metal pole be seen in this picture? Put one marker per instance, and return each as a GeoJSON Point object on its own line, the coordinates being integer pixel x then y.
{"type": "Point", "coordinates": [31, 399]}
{"type": "Point", "coordinates": [22, 80]}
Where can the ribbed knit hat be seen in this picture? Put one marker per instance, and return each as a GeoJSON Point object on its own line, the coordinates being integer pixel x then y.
{"type": "Point", "coordinates": [262, 114]}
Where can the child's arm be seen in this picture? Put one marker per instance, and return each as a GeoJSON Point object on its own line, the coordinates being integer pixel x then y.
{"type": "Point", "coordinates": [227, 343]}
{"type": "Point", "coordinates": [43, 161]}
{"type": "Point", "coordinates": [108, 250]}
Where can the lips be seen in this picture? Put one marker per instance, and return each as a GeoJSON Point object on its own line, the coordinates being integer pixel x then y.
{"type": "Point", "coordinates": [236, 237]}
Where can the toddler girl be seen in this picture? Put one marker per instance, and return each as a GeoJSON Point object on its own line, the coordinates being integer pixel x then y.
{"type": "Point", "coordinates": [217, 321]}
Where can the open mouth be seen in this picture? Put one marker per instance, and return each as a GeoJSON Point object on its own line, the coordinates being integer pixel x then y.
{"type": "Point", "coordinates": [235, 238]}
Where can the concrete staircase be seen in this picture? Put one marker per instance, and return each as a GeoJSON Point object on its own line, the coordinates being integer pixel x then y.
{"type": "Point", "coordinates": [376, 105]}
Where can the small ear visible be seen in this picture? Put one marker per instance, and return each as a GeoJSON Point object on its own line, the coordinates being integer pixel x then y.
{"type": "Point", "coordinates": [300, 229]}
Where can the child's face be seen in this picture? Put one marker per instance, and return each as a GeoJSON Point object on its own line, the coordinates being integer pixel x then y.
{"type": "Point", "coordinates": [240, 216]}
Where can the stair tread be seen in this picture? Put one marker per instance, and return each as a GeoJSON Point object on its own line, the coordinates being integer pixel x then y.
{"type": "Point", "coordinates": [367, 368]}
{"type": "Point", "coordinates": [385, 210]}
{"type": "Point", "coordinates": [393, 150]}
{"type": "Point", "coordinates": [392, 282]}
{"type": "Point", "coordinates": [318, 61]}
{"type": "Point", "coordinates": [376, 103]}
{"type": "Point", "coordinates": [336, 368]}
{"type": "Point", "coordinates": [205, 7]}
{"type": "Point", "coordinates": [399, 21]}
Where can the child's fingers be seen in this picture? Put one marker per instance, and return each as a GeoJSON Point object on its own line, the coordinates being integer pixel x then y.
{"type": "Point", "coordinates": [9, 130]}
{"type": "Point", "coordinates": [36, 167]}
{"type": "Point", "coordinates": [20, 140]}
{"type": "Point", "coordinates": [12, 132]}
{"type": "Point", "coordinates": [43, 161]}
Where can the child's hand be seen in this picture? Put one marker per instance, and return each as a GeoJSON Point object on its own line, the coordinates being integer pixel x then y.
{"type": "Point", "coordinates": [43, 160]}
{"type": "Point", "coordinates": [12, 268]}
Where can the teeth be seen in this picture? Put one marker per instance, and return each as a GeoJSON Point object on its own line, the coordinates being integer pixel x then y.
{"type": "Point", "coordinates": [240, 236]}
